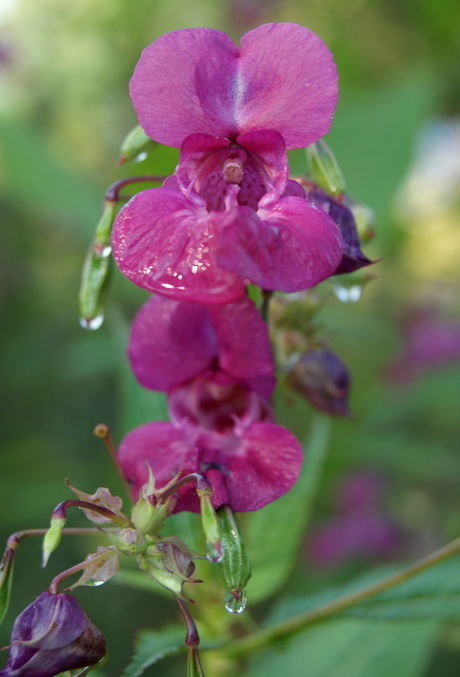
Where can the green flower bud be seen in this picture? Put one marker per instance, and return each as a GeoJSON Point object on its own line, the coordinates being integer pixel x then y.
{"type": "Point", "coordinates": [236, 565]}
{"type": "Point", "coordinates": [211, 528]}
{"type": "Point", "coordinates": [96, 271]}
{"type": "Point", "coordinates": [325, 169]}
{"type": "Point", "coordinates": [135, 144]}
{"type": "Point", "coordinates": [52, 538]}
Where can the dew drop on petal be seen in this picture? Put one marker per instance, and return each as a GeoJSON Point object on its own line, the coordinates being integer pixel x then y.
{"type": "Point", "coordinates": [235, 601]}
{"type": "Point", "coordinates": [92, 323]}
{"type": "Point", "coordinates": [348, 294]}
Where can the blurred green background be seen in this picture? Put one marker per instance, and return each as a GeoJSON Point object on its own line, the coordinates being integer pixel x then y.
{"type": "Point", "coordinates": [64, 109]}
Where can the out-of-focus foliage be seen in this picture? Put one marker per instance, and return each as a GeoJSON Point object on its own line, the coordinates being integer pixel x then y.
{"type": "Point", "coordinates": [64, 109]}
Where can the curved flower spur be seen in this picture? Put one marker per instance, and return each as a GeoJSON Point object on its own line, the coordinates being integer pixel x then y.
{"type": "Point", "coordinates": [230, 215]}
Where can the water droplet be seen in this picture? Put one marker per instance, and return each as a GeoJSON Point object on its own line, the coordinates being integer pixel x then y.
{"type": "Point", "coordinates": [92, 323]}
{"type": "Point", "coordinates": [235, 601]}
{"type": "Point", "coordinates": [93, 584]}
{"type": "Point", "coordinates": [350, 294]}
{"type": "Point", "coordinates": [214, 552]}
{"type": "Point", "coordinates": [141, 157]}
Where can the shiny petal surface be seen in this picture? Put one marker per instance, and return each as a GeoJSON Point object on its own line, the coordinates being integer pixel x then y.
{"type": "Point", "coordinates": [288, 246]}
{"type": "Point", "coordinates": [165, 243]}
{"type": "Point", "coordinates": [282, 78]}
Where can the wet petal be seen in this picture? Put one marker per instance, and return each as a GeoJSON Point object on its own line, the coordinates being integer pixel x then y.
{"type": "Point", "coordinates": [288, 246]}
{"type": "Point", "coordinates": [165, 243]}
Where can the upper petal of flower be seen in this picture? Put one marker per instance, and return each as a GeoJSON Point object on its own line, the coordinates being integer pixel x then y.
{"type": "Point", "coordinates": [288, 246]}
{"type": "Point", "coordinates": [191, 81]}
{"type": "Point", "coordinates": [165, 243]}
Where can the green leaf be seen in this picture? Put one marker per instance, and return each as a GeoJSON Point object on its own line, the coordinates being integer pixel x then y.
{"type": "Point", "coordinates": [6, 581]}
{"type": "Point", "coordinates": [352, 648]}
{"type": "Point", "coordinates": [273, 533]}
{"type": "Point", "coordinates": [153, 645]}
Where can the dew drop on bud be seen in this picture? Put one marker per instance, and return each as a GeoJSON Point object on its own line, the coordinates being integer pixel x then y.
{"type": "Point", "coordinates": [92, 323]}
{"type": "Point", "coordinates": [214, 552]}
{"type": "Point", "coordinates": [235, 601]}
{"type": "Point", "coordinates": [348, 294]}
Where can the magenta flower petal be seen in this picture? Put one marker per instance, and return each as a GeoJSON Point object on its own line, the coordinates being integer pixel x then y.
{"type": "Point", "coordinates": [163, 447]}
{"type": "Point", "coordinates": [244, 345]}
{"type": "Point", "coordinates": [265, 467]}
{"type": "Point", "coordinates": [288, 246]}
{"type": "Point", "coordinates": [183, 84]}
{"type": "Point", "coordinates": [287, 82]}
{"type": "Point", "coordinates": [192, 81]}
{"type": "Point", "coordinates": [165, 243]}
{"type": "Point", "coordinates": [247, 473]}
{"type": "Point", "coordinates": [171, 342]}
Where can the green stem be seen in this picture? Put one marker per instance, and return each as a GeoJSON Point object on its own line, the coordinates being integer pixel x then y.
{"type": "Point", "coordinates": [263, 638]}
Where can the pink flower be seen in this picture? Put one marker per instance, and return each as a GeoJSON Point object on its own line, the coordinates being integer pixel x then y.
{"type": "Point", "coordinates": [215, 364]}
{"type": "Point", "coordinates": [230, 216]}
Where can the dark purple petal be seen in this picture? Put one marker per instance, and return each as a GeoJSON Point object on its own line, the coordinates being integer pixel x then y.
{"type": "Point", "coordinates": [353, 258]}
{"type": "Point", "coordinates": [52, 635]}
{"type": "Point", "coordinates": [166, 243]}
{"type": "Point", "coordinates": [288, 246]}
{"type": "Point", "coordinates": [323, 379]}
{"type": "Point", "coordinates": [192, 81]}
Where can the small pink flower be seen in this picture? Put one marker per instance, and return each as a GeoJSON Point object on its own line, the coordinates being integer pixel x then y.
{"type": "Point", "coordinates": [215, 364]}
{"type": "Point", "coordinates": [230, 215]}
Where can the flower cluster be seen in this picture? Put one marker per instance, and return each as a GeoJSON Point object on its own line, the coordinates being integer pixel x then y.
{"type": "Point", "coordinates": [230, 216]}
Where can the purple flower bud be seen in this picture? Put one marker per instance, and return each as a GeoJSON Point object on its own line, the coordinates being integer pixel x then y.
{"type": "Point", "coordinates": [52, 635]}
{"type": "Point", "coordinates": [322, 378]}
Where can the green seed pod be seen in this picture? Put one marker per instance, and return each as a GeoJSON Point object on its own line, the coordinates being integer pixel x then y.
{"type": "Point", "coordinates": [96, 271]}
{"type": "Point", "coordinates": [135, 145]}
{"type": "Point", "coordinates": [236, 565]}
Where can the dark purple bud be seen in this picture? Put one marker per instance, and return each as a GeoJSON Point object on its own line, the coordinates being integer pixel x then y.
{"type": "Point", "coordinates": [352, 258]}
{"type": "Point", "coordinates": [322, 378]}
{"type": "Point", "coordinates": [52, 635]}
